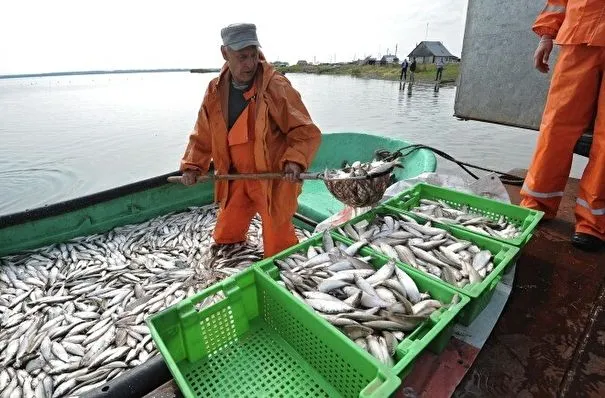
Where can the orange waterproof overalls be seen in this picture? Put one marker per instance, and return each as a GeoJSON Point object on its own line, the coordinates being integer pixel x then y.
{"type": "Point", "coordinates": [576, 95]}
{"type": "Point", "coordinates": [246, 197]}
{"type": "Point", "coordinates": [280, 130]}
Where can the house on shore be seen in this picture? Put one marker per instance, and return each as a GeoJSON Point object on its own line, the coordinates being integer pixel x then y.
{"type": "Point", "coordinates": [429, 52]}
{"type": "Point", "coordinates": [389, 59]}
{"type": "Point", "coordinates": [369, 60]}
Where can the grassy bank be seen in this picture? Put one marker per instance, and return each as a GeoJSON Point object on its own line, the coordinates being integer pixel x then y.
{"type": "Point", "coordinates": [387, 72]}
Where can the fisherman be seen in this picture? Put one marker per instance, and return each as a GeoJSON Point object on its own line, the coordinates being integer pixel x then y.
{"type": "Point", "coordinates": [252, 121]}
{"type": "Point", "coordinates": [576, 95]}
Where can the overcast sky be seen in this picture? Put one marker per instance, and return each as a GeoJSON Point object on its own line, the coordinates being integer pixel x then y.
{"type": "Point", "coordinates": [61, 35]}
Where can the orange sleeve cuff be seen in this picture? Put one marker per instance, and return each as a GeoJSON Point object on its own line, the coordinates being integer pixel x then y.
{"type": "Point", "coordinates": [544, 30]}
{"type": "Point", "coordinates": [188, 166]}
{"type": "Point", "coordinates": [292, 155]}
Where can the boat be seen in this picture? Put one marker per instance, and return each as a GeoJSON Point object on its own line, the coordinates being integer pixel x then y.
{"type": "Point", "coordinates": [144, 200]}
{"type": "Point", "coordinates": [140, 201]}
{"type": "Point", "coordinates": [553, 320]}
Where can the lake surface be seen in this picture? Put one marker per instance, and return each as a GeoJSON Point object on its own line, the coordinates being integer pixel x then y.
{"type": "Point", "coordinates": [64, 137]}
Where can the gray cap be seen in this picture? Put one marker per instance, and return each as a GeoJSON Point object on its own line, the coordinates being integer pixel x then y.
{"type": "Point", "coordinates": [239, 35]}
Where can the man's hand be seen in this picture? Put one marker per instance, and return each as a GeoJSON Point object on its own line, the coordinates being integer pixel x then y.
{"type": "Point", "coordinates": [292, 171]}
{"type": "Point", "coordinates": [542, 54]}
{"type": "Point", "coordinates": [189, 177]}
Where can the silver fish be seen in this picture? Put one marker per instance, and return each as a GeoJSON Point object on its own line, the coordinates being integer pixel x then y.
{"type": "Point", "coordinates": [83, 303]}
{"type": "Point", "coordinates": [329, 306]}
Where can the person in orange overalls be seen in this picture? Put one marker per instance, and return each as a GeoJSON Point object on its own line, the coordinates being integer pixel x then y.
{"type": "Point", "coordinates": [576, 96]}
{"type": "Point", "coordinates": [252, 121]}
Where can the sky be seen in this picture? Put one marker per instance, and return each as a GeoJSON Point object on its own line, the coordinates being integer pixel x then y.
{"type": "Point", "coordinates": [38, 36]}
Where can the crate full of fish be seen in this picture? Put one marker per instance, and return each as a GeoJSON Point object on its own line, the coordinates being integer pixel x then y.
{"type": "Point", "coordinates": [389, 313]}
{"type": "Point", "coordinates": [500, 221]}
{"type": "Point", "coordinates": [257, 340]}
{"type": "Point", "coordinates": [468, 263]}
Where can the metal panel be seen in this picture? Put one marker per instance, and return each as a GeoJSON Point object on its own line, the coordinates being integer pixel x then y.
{"type": "Point", "coordinates": [498, 82]}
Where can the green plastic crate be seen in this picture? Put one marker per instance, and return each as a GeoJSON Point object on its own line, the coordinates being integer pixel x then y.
{"type": "Point", "coordinates": [434, 333]}
{"type": "Point", "coordinates": [259, 341]}
{"type": "Point", "coordinates": [480, 293]}
{"type": "Point", "coordinates": [524, 218]}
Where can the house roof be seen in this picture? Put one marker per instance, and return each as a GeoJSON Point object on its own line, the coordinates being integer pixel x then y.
{"type": "Point", "coordinates": [430, 48]}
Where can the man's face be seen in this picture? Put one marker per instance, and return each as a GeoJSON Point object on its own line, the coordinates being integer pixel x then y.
{"type": "Point", "coordinates": [242, 64]}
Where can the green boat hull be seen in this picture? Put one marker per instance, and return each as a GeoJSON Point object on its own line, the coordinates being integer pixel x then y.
{"type": "Point", "coordinates": [141, 201]}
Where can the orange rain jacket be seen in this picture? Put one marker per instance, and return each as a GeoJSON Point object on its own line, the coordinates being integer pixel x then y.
{"type": "Point", "coordinates": [573, 22]}
{"type": "Point", "coordinates": [283, 132]}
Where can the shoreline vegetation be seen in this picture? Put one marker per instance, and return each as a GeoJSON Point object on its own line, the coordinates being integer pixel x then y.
{"type": "Point", "coordinates": [424, 73]}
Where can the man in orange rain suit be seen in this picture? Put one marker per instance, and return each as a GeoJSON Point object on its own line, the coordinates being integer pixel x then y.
{"type": "Point", "coordinates": [252, 121]}
{"type": "Point", "coordinates": [576, 95]}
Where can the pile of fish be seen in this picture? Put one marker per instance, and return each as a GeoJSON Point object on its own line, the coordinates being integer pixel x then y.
{"type": "Point", "coordinates": [360, 169]}
{"type": "Point", "coordinates": [440, 211]}
{"type": "Point", "coordinates": [72, 315]}
{"type": "Point", "coordinates": [430, 249]}
{"type": "Point", "coordinates": [374, 308]}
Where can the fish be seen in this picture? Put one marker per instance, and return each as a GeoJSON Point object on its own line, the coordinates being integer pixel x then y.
{"type": "Point", "coordinates": [372, 305]}
{"type": "Point", "coordinates": [432, 250]}
{"type": "Point", "coordinates": [356, 331]}
{"type": "Point", "coordinates": [358, 168]}
{"type": "Point", "coordinates": [72, 314]}
{"type": "Point", "coordinates": [354, 300]}
{"type": "Point", "coordinates": [502, 227]}
{"type": "Point", "coordinates": [382, 274]}
{"type": "Point", "coordinates": [338, 321]}
{"type": "Point", "coordinates": [481, 259]}
{"type": "Point", "coordinates": [330, 306]}
{"type": "Point", "coordinates": [329, 285]}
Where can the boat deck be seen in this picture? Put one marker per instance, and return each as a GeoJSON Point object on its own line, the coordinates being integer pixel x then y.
{"type": "Point", "coordinates": [550, 338]}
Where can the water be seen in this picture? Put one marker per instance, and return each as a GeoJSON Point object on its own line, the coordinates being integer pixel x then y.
{"type": "Point", "coordinates": [64, 137]}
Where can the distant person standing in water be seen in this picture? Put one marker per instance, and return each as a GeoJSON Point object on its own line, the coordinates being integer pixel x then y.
{"type": "Point", "coordinates": [439, 65]}
{"type": "Point", "coordinates": [412, 69]}
{"type": "Point", "coordinates": [404, 70]}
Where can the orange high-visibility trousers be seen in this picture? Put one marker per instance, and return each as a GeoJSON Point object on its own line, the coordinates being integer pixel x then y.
{"type": "Point", "coordinates": [577, 93]}
{"type": "Point", "coordinates": [247, 197]}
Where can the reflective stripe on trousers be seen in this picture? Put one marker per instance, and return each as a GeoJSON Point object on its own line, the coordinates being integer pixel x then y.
{"type": "Point", "coordinates": [542, 195]}
{"type": "Point", "coordinates": [584, 204]}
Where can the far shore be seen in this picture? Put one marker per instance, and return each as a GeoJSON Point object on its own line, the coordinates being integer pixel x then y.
{"type": "Point", "coordinates": [424, 73]}
{"type": "Point", "coordinates": [108, 72]}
